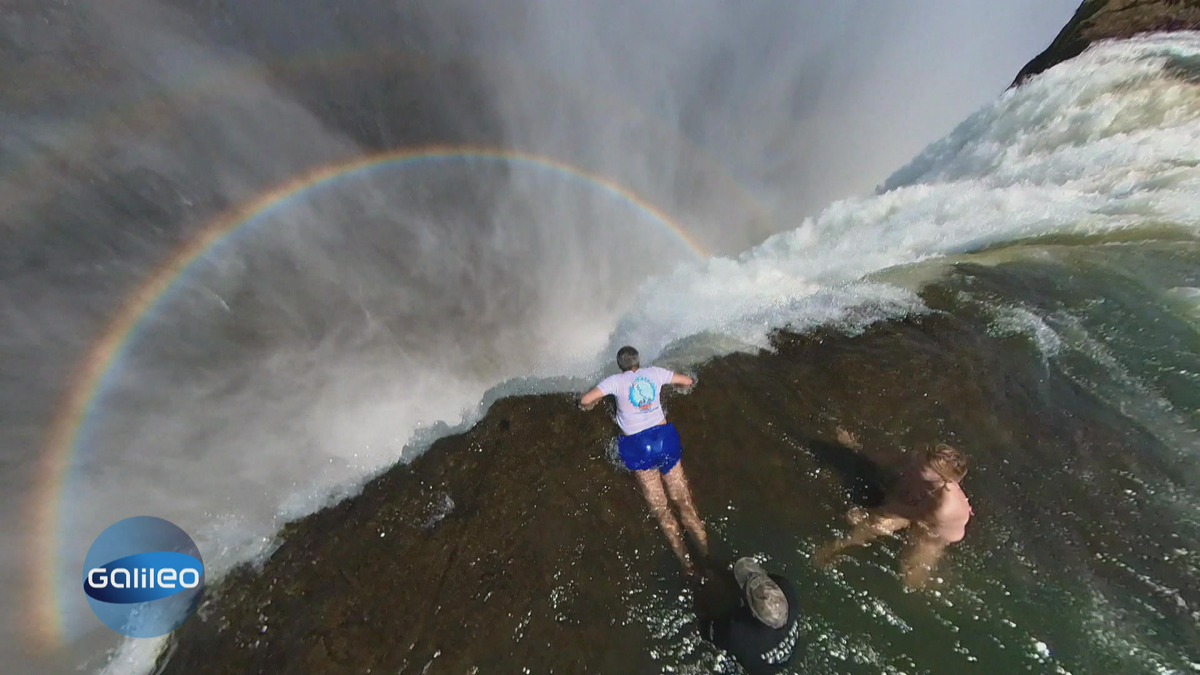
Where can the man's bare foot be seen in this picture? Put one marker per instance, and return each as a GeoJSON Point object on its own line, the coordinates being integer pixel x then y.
{"type": "Point", "coordinates": [847, 439]}
{"type": "Point", "coordinates": [689, 567]}
{"type": "Point", "coordinates": [694, 576]}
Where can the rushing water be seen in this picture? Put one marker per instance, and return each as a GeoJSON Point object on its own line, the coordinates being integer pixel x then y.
{"type": "Point", "coordinates": [1070, 370]}
{"type": "Point", "coordinates": [1064, 213]}
{"type": "Point", "coordinates": [1059, 220]}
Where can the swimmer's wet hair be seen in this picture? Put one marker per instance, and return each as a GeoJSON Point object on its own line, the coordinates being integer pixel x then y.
{"type": "Point", "coordinates": [628, 359]}
{"type": "Point", "coordinates": [948, 461]}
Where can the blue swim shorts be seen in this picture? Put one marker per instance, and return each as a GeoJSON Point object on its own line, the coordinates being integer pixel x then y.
{"type": "Point", "coordinates": [655, 448]}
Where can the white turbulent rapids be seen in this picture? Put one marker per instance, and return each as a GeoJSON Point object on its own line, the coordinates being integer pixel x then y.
{"type": "Point", "coordinates": [1108, 140]}
{"type": "Point", "coordinates": [1105, 141]}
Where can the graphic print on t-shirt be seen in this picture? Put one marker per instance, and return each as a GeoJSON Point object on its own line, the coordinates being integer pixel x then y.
{"type": "Point", "coordinates": [642, 393]}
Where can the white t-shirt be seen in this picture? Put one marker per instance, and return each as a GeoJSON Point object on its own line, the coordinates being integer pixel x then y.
{"type": "Point", "coordinates": [636, 391]}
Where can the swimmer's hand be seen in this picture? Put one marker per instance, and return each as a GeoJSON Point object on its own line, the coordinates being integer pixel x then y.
{"type": "Point", "coordinates": [590, 399]}
{"type": "Point", "coordinates": [685, 383]}
{"type": "Point", "coordinates": [847, 439]}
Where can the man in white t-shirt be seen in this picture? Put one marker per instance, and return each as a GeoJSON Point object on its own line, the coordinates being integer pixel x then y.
{"type": "Point", "coordinates": [650, 446]}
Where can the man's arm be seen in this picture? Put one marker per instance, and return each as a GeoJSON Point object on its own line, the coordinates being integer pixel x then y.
{"type": "Point", "coordinates": [590, 398]}
{"type": "Point", "coordinates": [682, 380]}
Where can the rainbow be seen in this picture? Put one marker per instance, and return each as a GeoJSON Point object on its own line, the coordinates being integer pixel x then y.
{"type": "Point", "coordinates": [45, 604]}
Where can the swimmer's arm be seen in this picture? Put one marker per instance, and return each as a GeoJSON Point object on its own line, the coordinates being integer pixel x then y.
{"type": "Point", "coordinates": [589, 399]}
{"type": "Point", "coordinates": [682, 380]}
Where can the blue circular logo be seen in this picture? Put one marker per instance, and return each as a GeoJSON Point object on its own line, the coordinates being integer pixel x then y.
{"type": "Point", "coordinates": [642, 393]}
{"type": "Point", "coordinates": [143, 577]}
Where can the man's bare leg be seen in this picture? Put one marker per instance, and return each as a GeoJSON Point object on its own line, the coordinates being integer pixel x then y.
{"type": "Point", "coordinates": [920, 557]}
{"type": "Point", "coordinates": [681, 494]}
{"type": "Point", "coordinates": [866, 530]}
{"type": "Point", "coordinates": [652, 488]}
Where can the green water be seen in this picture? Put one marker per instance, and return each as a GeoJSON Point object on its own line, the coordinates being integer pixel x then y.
{"type": "Point", "coordinates": [1084, 555]}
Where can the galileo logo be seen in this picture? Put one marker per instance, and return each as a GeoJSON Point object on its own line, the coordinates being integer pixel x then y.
{"type": "Point", "coordinates": [143, 577]}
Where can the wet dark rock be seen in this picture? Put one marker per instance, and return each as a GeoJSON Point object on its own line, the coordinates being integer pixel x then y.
{"type": "Point", "coordinates": [1097, 20]}
{"type": "Point", "coordinates": [532, 565]}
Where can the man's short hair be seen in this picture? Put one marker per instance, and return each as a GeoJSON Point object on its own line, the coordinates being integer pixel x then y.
{"type": "Point", "coordinates": [627, 358]}
{"type": "Point", "coordinates": [949, 462]}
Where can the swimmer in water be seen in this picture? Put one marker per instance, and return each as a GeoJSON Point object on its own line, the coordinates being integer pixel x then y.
{"type": "Point", "coordinates": [928, 497]}
{"type": "Point", "coordinates": [651, 449]}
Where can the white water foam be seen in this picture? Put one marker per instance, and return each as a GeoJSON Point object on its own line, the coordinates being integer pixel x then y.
{"type": "Point", "coordinates": [1108, 140]}
{"type": "Point", "coordinates": [1187, 299]}
{"type": "Point", "coordinates": [1017, 320]}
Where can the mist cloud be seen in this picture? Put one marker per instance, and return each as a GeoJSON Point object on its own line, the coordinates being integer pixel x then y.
{"type": "Point", "coordinates": [306, 354]}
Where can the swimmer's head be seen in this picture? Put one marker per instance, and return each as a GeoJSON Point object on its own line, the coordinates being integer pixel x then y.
{"type": "Point", "coordinates": [767, 601]}
{"type": "Point", "coordinates": [947, 461]}
{"type": "Point", "coordinates": [628, 359]}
